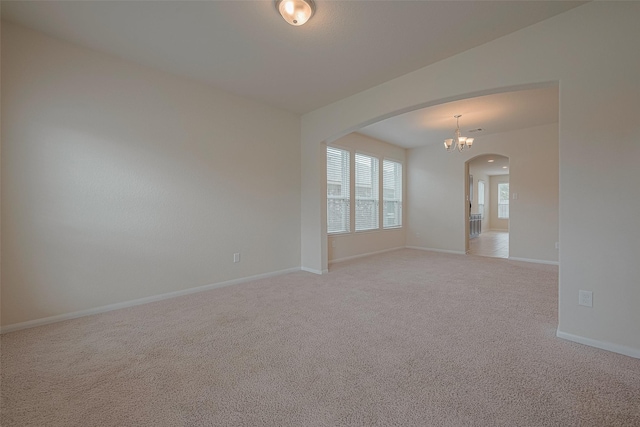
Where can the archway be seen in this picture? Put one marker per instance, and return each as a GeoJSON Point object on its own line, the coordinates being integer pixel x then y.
{"type": "Point", "coordinates": [317, 245]}
{"type": "Point", "coordinates": [487, 231]}
{"type": "Point", "coordinates": [485, 110]}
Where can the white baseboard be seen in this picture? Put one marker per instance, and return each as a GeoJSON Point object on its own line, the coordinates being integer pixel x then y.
{"type": "Point", "coordinates": [139, 301]}
{"type": "Point", "coordinates": [314, 271]}
{"type": "Point", "coordinates": [445, 251]}
{"type": "Point", "coordinates": [364, 255]}
{"type": "Point", "coordinates": [604, 345]}
{"type": "Point", "coordinates": [536, 261]}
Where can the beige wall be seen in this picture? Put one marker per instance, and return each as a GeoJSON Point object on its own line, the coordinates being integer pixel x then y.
{"type": "Point", "coordinates": [499, 224]}
{"type": "Point", "coordinates": [347, 245]}
{"type": "Point", "coordinates": [1, 25]}
{"type": "Point", "coordinates": [120, 182]}
{"type": "Point", "coordinates": [592, 52]}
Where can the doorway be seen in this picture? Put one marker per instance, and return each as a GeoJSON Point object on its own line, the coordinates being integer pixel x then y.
{"type": "Point", "coordinates": [488, 208]}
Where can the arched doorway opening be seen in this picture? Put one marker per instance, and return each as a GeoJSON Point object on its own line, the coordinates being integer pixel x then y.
{"type": "Point", "coordinates": [432, 180]}
{"type": "Point", "coordinates": [488, 195]}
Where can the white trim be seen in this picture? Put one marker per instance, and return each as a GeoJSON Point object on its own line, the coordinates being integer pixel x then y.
{"type": "Point", "coordinates": [604, 345]}
{"type": "Point", "coordinates": [365, 153]}
{"type": "Point", "coordinates": [535, 261]}
{"type": "Point", "coordinates": [314, 271]}
{"type": "Point", "coordinates": [446, 251]}
{"type": "Point", "coordinates": [139, 301]}
{"type": "Point", "coordinates": [394, 160]}
{"type": "Point", "coordinates": [364, 255]}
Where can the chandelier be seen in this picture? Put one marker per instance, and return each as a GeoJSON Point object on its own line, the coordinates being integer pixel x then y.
{"type": "Point", "coordinates": [458, 142]}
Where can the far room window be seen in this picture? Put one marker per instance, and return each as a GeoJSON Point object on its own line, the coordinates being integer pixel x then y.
{"type": "Point", "coordinates": [503, 200]}
{"type": "Point", "coordinates": [481, 198]}
{"type": "Point", "coordinates": [367, 192]}
{"type": "Point", "coordinates": [392, 193]}
{"type": "Point", "coordinates": [338, 191]}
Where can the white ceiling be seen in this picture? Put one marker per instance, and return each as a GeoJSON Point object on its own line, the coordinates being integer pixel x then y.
{"type": "Point", "coordinates": [492, 113]}
{"type": "Point", "coordinates": [246, 48]}
{"type": "Point", "coordinates": [499, 165]}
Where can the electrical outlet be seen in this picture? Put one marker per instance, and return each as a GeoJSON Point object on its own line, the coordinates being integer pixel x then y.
{"type": "Point", "coordinates": [557, 245]}
{"type": "Point", "coordinates": [585, 298]}
{"type": "Point", "coordinates": [236, 257]}
{"type": "Point", "coordinates": [333, 243]}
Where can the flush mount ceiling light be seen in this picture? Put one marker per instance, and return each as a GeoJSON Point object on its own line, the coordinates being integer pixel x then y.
{"type": "Point", "coordinates": [296, 12]}
{"type": "Point", "coordinates": [458, 142]}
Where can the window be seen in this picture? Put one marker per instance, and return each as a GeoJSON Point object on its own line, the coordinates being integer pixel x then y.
{"type": "Point", "coordinates": [338, 191]}
{"type": "Point", "coordinates": [367, 192]}
{"type": "Point", "coordinates": [481, 198]}
{"type": "Point", "coordinates": [392, 193]}
{"type": "Point", "coordinates": [503, 200]}
{"type": "Point", "coordinates": [357, 175]}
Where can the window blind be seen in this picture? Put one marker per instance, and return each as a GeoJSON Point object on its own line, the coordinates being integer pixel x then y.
{"type": "Point", "coordinates": [503, 200]}
{"type": "Point", "coordinates": [367, 192]}
{"type": "Point", "coordinates": [338, 191]}
{"type": "Point", "coordinates": [392, 193]}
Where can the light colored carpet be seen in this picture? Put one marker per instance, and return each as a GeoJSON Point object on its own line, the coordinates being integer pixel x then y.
{"type": "Point", "coordinates": [407, 338]}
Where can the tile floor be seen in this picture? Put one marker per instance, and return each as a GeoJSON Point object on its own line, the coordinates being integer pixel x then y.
{"type": "Point", "coordinates": [490, 243]}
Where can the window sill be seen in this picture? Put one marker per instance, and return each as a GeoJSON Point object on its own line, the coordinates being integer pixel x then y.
{"type": "Point", "coordinates": [339, 233]}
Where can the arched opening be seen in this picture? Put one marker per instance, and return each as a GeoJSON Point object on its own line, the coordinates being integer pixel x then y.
{"type": "Point", "coordinates": [436, 214]}
{"type": "Point", "coordinates": [489, 197]}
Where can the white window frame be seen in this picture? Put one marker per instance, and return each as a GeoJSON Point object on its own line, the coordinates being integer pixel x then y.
{"type": "Point", "coordinates": [400, 208]}
{"type": "Point", "coordinates": [351, 202]}
{"type": "Point", "coordinates": [374, 199]}
{"type": "Point", "coordinates": [501, 202]}
{"type": "Point", "coordinates": [346, 192]}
